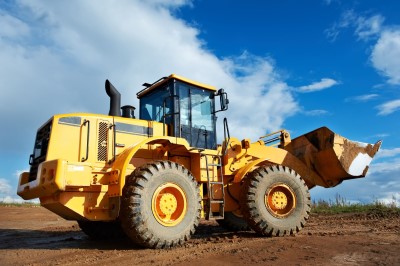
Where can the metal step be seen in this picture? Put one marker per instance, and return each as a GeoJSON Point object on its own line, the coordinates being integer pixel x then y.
{"type": "Point", "coordinates": [218, 165]}
{"type": "Point", "coordinates": [211, 201]}
{"type": "Point", "coordinates": [217, 201]}
{"type": "Point", "coordinates": [218, 217]}
{"type": "Point", "coordinates": [217, 183]}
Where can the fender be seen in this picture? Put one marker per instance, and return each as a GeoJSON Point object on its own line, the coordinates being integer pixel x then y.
{"type": "Point", "coordinates": [244, 170]}
{"type": "Point", "coordinates": [279, 157]}
{"type": "Point", "coordinates": [262, 155]}
{"type": "Point", "coordinates": [121, 163]}
{"type": "Point", "coordinates": [120, 168]}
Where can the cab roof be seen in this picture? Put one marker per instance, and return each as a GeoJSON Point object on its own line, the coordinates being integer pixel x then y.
{"type": "Point", "coordinates": [151, 87]}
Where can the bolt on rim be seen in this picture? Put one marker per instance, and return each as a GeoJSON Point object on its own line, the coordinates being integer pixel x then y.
{"type": "Point", "coordinates": [169, 204]}
{"type": "Point", "coordinates": [280, 200]}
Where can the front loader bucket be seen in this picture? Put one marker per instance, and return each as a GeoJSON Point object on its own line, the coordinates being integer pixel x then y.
{"type": "Point", "coordinates": [332, 158]}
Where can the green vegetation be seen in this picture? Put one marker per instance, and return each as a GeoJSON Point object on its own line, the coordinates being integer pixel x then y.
{"type": "Point", "coordinates": [340, 205]}
{"type": "Point", "coordinates": [19, 204]}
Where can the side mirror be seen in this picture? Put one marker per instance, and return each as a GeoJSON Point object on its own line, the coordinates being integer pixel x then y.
{"type": "Point", "coordinates": [223, 100]}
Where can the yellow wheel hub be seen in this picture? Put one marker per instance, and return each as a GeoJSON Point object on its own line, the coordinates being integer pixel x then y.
{"type": "Point", "coordinates": [169, 204]}
{"type": "Point", "coordinates": [280, 200]}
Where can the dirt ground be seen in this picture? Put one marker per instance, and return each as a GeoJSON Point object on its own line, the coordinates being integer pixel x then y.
{"type": "Point", "coordinates": [35, 236]}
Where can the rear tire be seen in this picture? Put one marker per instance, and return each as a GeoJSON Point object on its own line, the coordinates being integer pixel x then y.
{"type": "Point", "coordinates": [102, 230]}
{"type": "Point", "coordinates": [234, 221]}
{"type": "Point", "coordinates": [160, 205]}
{"type": "Point", "coordinates": [275, 201]}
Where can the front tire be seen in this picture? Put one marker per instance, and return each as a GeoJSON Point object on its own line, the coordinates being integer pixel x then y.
{"type": "Point", "coordinates": [275, 201]}
{"type": "Point", "coordinates": [160, 205]}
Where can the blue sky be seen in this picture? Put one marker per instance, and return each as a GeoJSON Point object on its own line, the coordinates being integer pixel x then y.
{"type": "Point", "coordinates": [285, 64]}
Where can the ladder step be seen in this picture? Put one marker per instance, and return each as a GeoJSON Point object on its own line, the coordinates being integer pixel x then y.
{"type": "Point", "coordinates": [220, 201]}
{"type": "Point", "coordinates": [217, 183]}
{"type": "Point", "coordinates": [217, 217]}
{"type": "Point", "coordinates": [211, 201]}
{"type": "Point", "coordinates": [215, 164]}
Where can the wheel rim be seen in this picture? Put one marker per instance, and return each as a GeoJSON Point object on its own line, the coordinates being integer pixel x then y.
{"type": "Point", "coordinates": [280, 200]}
{"type": "Point", "coordinates": [169, 204]}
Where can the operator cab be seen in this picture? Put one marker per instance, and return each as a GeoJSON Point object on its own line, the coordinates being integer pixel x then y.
{"type": "Point", "coordinates": [187, 107]}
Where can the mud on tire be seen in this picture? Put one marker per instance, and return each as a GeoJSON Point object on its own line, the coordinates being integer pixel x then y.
{"type": "Point", "coordinates": [160, 205]}
{"type": "Point", "coordinates": [275, 201]}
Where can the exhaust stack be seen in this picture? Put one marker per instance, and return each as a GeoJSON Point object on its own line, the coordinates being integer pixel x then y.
{"type": "Point", "coordinates": [115, 99]}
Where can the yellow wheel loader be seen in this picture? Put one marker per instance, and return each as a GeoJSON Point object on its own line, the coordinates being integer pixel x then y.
{"type": "Point", "coordinates": [153, 178]}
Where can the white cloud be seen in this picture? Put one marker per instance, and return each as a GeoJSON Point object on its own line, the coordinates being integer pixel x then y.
{"type": "Point", "coordinates": [328, 2]}
{"type": "Point", "coordinates": [362, 98]}
{"type": "Point", "coordinates": [383, 180]}
{"type": "Point", "coordinates": [382, 135]}
{"type": "Point", "coordinates": [319, 85]}
{"type": "Point", "coordinates": [12, 28]}
{"type": "Point", "coordinates": [368, 27]}
{"type": "Point", "coordinates": [388, 166]}
{"type": "Point", "coordinates": [315, 112]}
{"type": "Point", "coordinates": [381, 183]}
{"type": "Point", "coordinates": [5, 187]}
{"type": "Point", "coordinates": [71, 48]}
{"type": "Point", "coordinates": [365, 28]}
{"type": "Point", "coordinates": [391, 198]}
{"type": "Point", "coordinates": [378, 136]}
{"type": "Point", "coordinates": [254, 89]}
{"type": "Point", "coordinates": [169, 3]}
{"type": "Point", "coordinates": [385, 55]}
{"type": "Point", "coordinates": [385, 52]}
{"type": "Point", "coordinates": [384, 153]}
{"type": "Point", "coordinates": [388, 107]}
{"type": "Point", "coordinates": [346, 19]}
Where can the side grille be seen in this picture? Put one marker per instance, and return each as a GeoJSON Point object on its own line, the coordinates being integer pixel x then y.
{"type": "Point", "coordinates": [40, 149]}
{"type": "Point", "coordinates": [102, 142]}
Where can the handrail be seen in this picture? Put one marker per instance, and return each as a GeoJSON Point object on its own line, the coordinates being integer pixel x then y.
{"type": "Point", "coordinates": [273, 133]}
{"type": "Point", "coordinates": [114, 141]}
{"type": "Point", "coordinates": [226, 132]}
{"type": "Point", "coordinates": [87, 140]}
{"type": "Point", "coordinates": [273, 138]}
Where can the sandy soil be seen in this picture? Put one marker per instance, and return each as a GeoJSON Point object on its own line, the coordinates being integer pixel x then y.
{"type": "Point", "coordinates": [35, 236]}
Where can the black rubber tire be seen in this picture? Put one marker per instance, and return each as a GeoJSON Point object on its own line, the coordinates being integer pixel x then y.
{"type": "Point", "coordinates": [136, 214]}
{"type": "Point", "coordinates": [102, 230]}
{"type": "Point", "coordinates": [257, 212]}
{"type": "Point", "coordinates": [233, 222]}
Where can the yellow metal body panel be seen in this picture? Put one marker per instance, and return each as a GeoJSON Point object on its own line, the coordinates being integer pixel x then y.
{"type": "Point", "coordinates": [80, 159]}
{"type": "Point", "coordinates": [154, 147]}
{"type": "Point", "coordinates": [198, 84]}
{"type": "Point", "coordinates": [74, 205]}
{"type": "Point", "coordinates": [174, 76]}
{"type": "Point", "coordinates": [82, 175]}
{"type": "Point", "coordinates": [50, 180]}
